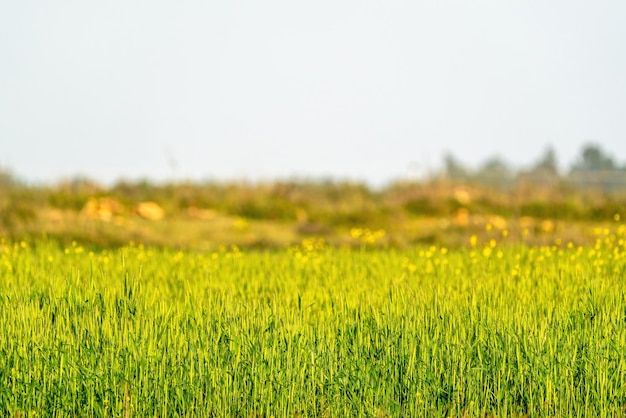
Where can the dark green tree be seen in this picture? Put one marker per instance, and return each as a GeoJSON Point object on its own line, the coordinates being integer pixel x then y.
{"type": "Point", "coordinates": [495, 166]}
{"type": "Point", "coordinates": [547, 163]}
{"type": "Point", "coordinates": [593, 158]}
{"type": "Point", "coordinates": [496, 172]}
{"type": "Point", "coordinates": [454, 169]}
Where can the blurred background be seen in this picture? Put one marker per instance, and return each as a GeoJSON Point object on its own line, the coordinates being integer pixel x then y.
{"type": "Point", "coordinates": [260, 123]}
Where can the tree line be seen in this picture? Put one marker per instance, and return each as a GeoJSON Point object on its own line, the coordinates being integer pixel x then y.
{"type": "Point", "coordinates": [594, 168]}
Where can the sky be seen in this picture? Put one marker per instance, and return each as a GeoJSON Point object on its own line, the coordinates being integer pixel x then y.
{"type": "Point", "coordinates": [258, 90]}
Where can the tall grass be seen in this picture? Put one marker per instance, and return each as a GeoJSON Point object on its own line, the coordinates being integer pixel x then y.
{"type": "Point", "coordinates": [313, 331]}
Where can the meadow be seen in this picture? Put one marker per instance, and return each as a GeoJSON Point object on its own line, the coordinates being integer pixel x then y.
{"type": "Point", "coordinates": [490, 328]}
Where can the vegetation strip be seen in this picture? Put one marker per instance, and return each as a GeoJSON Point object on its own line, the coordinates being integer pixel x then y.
{"type": "Point", "coordinates": [314, 331]}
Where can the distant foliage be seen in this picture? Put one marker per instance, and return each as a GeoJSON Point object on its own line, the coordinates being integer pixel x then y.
{"type": "Point", "coordinates": [594, 169]}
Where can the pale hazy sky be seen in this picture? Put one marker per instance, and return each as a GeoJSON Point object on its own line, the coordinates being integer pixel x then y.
{"type": "Point", "coordinates": [369, 90]}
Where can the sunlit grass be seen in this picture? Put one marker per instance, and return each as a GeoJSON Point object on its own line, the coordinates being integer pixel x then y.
{"type": "Point", "coordinates": [487, 329]}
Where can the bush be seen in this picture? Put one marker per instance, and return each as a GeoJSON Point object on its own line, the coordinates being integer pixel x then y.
{"type": "Point", "coordinates": [550, 210]}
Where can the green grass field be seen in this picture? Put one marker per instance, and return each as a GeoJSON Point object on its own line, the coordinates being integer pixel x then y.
{"type": "Point", "coordinates": [315, 331]}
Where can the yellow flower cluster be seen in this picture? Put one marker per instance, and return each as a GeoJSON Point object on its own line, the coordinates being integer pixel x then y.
{"type": "Point", "coordinates": [367, 236]}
